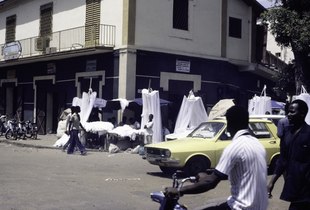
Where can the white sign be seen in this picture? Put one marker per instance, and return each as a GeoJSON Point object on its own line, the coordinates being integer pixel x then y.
{"type": "Point", "coordinates": [100, 103]}
{"type": "Point", "coordinates": [183, 66]}
{"type": "Point", "coordinates": [12, 50]}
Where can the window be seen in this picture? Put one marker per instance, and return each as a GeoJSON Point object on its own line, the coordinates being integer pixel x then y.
{"type": "Point", "coordinates": [235, 27]}
{"type": "Point", "coordinates": [259, 130]}
{"type": "Point", "coordinates": [92, 22]}
{"type": "Point", "coordinates": [10, 29]}
{"type": "Point", "coordinates": [46, 15]}
{"type": "Point", "coordinates": [180, 14]}
{"type": "Point", "coordinates": [278, 54]}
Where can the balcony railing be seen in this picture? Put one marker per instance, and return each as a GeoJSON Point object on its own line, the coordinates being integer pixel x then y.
{"type": "Point", "coordinates": [66, 40]}
{"type": "Point", "coordinates": [273, 62]}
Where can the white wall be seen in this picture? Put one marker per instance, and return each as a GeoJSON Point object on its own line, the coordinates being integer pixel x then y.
{"type": "Point", "coordinates": [286, 53]}
{"type": "Point", "coordinates": [239, 49]}
{"type": "Point", "coordinates": [66, 14]}
{"type": "Point", "coordinates": [153, 24]}
{"type": "Point", "coordinates": [154, 27]}
{"type": "Point", "coordinates": [112, 14]}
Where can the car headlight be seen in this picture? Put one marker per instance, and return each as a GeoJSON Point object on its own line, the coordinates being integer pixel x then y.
{"type": "Point", "coordinates": [165, 153]}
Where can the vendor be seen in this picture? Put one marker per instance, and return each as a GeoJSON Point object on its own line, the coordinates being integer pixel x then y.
{"type": "Point", "coordinates": [134, 123]}
{"type": "Point", "coordinates": [149, 130]}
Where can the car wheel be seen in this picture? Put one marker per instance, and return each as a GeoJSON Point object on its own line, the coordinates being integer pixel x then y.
{"type": "Point", "coordinates": [273, 165]}
{"type": "Point", "coordinates": [196, 165]}
{"type": "Point", "coordinates": [167, 170]}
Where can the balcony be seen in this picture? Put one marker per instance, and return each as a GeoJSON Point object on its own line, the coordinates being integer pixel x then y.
{"type": "Point", "coordinates": [273, 62]}
{"type": "Point", "coordinates": [63, 42]}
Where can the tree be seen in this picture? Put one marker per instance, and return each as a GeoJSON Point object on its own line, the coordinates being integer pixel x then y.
{"type": "Point", "coordinates": [289, 22]}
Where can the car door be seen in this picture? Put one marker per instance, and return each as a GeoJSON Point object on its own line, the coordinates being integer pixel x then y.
{"type": "Point", "coordinates": [264, 135]}
{"type": "Point", "coordinates": [221, 143]}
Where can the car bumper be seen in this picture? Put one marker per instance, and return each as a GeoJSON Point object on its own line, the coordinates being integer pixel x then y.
{"type": "Point", "coordinates": [160, 161]}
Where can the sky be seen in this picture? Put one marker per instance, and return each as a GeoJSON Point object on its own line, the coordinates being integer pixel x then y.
{"type": "Point", "coordinates": [265, 3]}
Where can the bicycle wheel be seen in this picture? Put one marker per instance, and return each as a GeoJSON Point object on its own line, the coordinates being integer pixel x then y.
{"type": "Point", "coordinates": [10, 135]}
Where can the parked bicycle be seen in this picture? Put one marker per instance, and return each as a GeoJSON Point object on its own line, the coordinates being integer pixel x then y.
{"type": "Point", "coordinates": [15, 130]}
{"type": "Point", "coordinates": [3, 125]}
{"type": "Point", "coordinates": [31, 129]}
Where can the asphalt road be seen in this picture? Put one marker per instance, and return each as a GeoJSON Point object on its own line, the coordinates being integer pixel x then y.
{"type": "Point", "coordinates": [48, 179]}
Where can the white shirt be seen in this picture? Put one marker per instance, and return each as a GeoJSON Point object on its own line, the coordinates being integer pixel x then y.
{"type": "Point", "coordinates": [149, 128]}
{"type": "Point", "coordinates": [244, 161]}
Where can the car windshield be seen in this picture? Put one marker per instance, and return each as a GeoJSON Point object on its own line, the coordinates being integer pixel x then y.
{"type": "Point", "coordinates": [207, 130]}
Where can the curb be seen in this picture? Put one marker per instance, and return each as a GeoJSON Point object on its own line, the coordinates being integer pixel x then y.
{"type": "Point", "coordinates": [21, 144]}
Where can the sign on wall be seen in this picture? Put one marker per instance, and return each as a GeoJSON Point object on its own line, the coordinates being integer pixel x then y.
{"type": "Point", "coordinates": [11, 50]}
{"type": "Point", "coordinates": [183, 66]}
{"type": "Point", "coordinates": [91, 65]}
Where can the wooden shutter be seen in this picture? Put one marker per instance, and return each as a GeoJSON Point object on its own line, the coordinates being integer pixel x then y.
{"type": "Point", "coordinates": [92, 22]}
{"type": "Point", "coordinates": [10, 29]}
{"type": "Point", "coordinates": [46, 15]}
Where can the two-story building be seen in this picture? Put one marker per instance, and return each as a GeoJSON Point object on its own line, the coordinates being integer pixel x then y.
{"type": "Point", "coordinates": [53, 50]}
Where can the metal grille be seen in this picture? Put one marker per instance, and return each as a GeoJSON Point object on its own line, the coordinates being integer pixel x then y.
{"type": "Point", "coordinates": [153, 151]}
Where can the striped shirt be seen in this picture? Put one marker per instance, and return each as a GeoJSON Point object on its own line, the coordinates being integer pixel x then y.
{"type": "Point", "coordinates": [244, 162]}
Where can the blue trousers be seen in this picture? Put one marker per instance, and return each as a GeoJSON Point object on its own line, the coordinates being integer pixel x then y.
{"type": "Point", "coordinates": [74, 140]}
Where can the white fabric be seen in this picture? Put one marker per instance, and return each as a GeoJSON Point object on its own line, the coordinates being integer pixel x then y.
{"type": "Point", "coordinates": [244, 161]}
{"type": "Point", "coordinates": [125, 131]}
{"type": "Point", "coordinates": [260, 105]}
{"type": "Point", "coordinates": [61, 128]}
{"type": "Point", "coordinates": [306, 98]}
{"type": "Point", "coordinates": [151, 105]}
{"type": "Point", "coordinates": [192, 113]}
{"type": "Point", "coordinates": [99, 127]}
{"type": "Point", "coordinates": [62, 141]}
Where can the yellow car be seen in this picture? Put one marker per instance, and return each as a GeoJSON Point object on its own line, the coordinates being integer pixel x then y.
{"type": "Point", "coordinates": [202, 148]}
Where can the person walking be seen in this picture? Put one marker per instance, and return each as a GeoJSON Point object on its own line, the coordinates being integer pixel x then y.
{"type": "Point", "coordinates": [243, 162]}
{"type": "Point", "coordinates": [294, 160]}
{"type": "Point", "coordinates": [74, 129]}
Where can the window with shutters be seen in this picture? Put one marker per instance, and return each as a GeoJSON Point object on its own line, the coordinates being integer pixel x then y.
{"type": "Point", "coordinates": [10, 29]}
{"type": "Point", "coordinates": [92, 22]}
{"type": "Point", "coordinates": [46, 15]}
{"type": "Point", "coordinates": [180, 14]}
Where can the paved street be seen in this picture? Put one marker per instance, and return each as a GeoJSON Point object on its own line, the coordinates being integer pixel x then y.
{"type": "Point", "coordinates": [46, 179]}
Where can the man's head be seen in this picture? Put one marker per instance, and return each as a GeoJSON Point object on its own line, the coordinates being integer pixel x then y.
{"type": "Point", "coordinates": [297, 112]}
{"type": "Point", "coordinates": [73, 108]}
{"type": "Point", "coordinates": [78, 109]}
{"type": "Point", "coordinates": [151, 117]}
{"type": "Point", "coordinates": [237, 118]}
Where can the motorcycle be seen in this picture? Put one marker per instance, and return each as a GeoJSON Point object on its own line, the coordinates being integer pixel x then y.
{"type": "Point", "coordinates": [31, 129]}
{"type": "Point", "coordinates": [15, 130]}
{"type": "Point", "coordinates": [3, 126]}
{"type": "Point", "coordinates": [171, 203]}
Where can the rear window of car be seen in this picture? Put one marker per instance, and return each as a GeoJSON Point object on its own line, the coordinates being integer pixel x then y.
{"type": "Point", "coordinates": [259, 130]}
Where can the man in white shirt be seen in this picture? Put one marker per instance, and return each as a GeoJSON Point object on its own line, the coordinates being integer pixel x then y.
{"type": "Point", "coordinates": [149, 130]}
{"type": "Point", "coordinates": [243, 162]}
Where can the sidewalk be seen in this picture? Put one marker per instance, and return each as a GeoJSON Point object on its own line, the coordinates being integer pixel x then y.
{"type": "Point", "coordinates": [44, 142]}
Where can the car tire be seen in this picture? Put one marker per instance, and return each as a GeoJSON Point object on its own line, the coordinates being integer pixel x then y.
{"type": "Point", "coordinates": [167, 170]}
{"type": "Point", "coordinates": [196, 165]}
